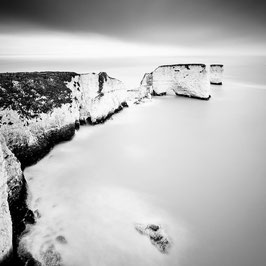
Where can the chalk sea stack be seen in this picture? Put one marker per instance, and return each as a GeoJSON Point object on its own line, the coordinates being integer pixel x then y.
{"type": "Point", "coordinates": [216, 74]}
{"type": "Point", "coordinates": [146, 84]}
{"type": "Point", "coordinates": [189, 80]}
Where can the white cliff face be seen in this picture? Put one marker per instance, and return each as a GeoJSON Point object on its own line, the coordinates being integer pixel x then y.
{"type": "Point", "coordinates": [146, 85]}
{"type": "Point", "coordinates": [25, 133]}
{"type": "Point", "coordinates": [97, 95]}
{"type": "Point", "coordinates": [5, 217]}
{"type": "Point", "coordinates": [10, 186]}
{"type": "Point", "coordinates": [112, 95]}
{"type": "Point", "coordinates": [32, 123]}
{"type": "Point", "coordinates": [216, 74]}
{"type": "Point", "coordinates": [84, 88]}
{"type": "Point", "coordinates": [190, 80]}
{"type": "Point", "coordinates": [107, 104]}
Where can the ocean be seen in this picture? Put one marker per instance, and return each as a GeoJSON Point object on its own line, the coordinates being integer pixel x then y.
{"type": "Point", "coordinates": [195, 167]}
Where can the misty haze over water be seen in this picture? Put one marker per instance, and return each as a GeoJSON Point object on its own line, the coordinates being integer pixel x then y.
{"type": "Point", "coordinates": [196, 167]}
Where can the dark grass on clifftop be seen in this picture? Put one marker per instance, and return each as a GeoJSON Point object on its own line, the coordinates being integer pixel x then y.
{"type": "Point", "coordinates": [31, 93]}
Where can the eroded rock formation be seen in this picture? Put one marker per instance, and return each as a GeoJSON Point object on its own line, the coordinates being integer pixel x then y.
{"type": "Point", "coordinates": [216, 74]}
{"type": "Point", "coordinates": [157, 236]}
{"type": "Point", "coordinates": [191, 80]}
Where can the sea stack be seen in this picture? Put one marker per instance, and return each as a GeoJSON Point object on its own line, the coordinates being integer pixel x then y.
{"type": "Point", "coordinates": [190, 80]}
{"type": "Point", "coordinates": [216, 74]}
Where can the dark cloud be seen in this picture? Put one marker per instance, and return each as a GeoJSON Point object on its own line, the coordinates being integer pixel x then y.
{"type": "Point", "coordinates": [162, 21]}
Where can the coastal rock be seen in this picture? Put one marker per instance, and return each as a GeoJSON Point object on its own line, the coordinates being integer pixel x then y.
{"type": "Point", "coordinates": [189, 80]}
{"type": "Point", "coordinates": [13, 209]}
{"type": "Point", "coordinates": [157, 236]}
{"type": "Point", "coordinates": [61, 239]}
{"type": "Point", "coordinates": [146, 86]}
{"type": "Point", "coordinates": [216, 74]}
{"type": "Point", "coordinates": [96, 95]}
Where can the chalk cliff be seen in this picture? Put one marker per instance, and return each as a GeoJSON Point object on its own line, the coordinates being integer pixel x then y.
{"type": "Point", "coordinates": [216, 74]}
{"type": "Point", "coordinates": [38, 110]}
{"type": "Point", "coordinates": [42, 108]}
{"type": "Point", "coordinates": [191, 80]}
{"type": "Point", "coordinates": [13, 212]}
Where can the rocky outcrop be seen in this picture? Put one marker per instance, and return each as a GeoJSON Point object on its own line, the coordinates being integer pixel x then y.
{"type": "Point", "coordinates": [216, 74]}
{"type": "Point", "coordinates": [146, 86]}
{"type": "Point", "coordinates": [97, 96]}
{"type": "Point", "coordinates": [191, 80]}
{"type": "Point", "coordinates": [157, 236]}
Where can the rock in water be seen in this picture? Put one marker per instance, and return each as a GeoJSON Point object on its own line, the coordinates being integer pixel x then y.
{"type": "Point", "coordinates": [216, 74]}
{"type": "Point", "coordinates": [146, 86]}
{"type": "Point", "coordinates": [157, 236]}
{"type": "Point", "coordinates": [189, 80]}
{"type": "Point", "coordinates": [61, 239]}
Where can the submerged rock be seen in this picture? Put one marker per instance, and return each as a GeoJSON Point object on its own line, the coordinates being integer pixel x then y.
{"type": "Point", "coordinates": [157, 236]}
{"type": "Point", "coordinates": [61, 239]}
{"type": "Point", "coordinates": [216, 74]}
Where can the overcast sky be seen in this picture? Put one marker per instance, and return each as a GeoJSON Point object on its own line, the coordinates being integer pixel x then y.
{"type": "Point", "coordinates": [131, 27]}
